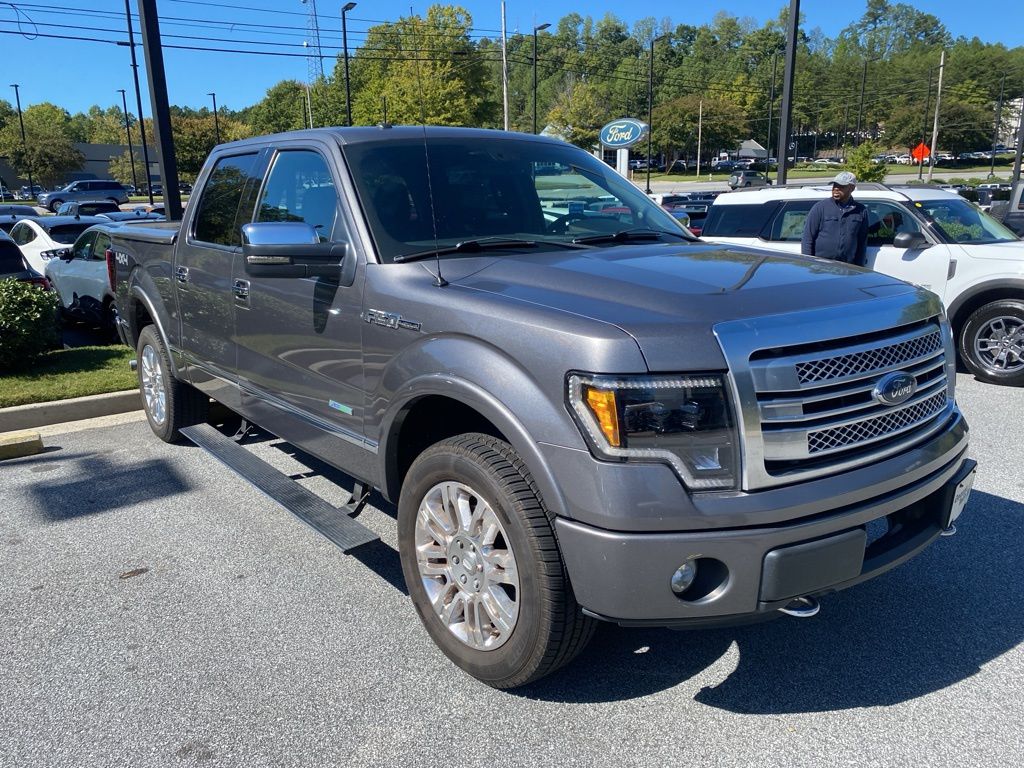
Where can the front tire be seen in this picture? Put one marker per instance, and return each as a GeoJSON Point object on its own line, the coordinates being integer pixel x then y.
{"type": "Point", "coordinates": [170, 405]}
{"type": "Point", "coordinates": [992, 343]}
{"type": "Point", "coordinates": [482, 564]}
{"type": "Point", "coordinates": [54, 205]}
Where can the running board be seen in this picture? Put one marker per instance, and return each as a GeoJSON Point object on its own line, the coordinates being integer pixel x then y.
{"type": "Point", "coordinates": [325, 519]}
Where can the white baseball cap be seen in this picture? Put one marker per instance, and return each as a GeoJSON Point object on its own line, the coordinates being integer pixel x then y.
{"type": "Point", "coordinates": [844, 179]}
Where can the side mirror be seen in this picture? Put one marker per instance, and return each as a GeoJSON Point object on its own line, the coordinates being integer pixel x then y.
{"type": "Point", "coordinates": [911, 241]}
{"type": "Point", "coordinates": [289, 249]}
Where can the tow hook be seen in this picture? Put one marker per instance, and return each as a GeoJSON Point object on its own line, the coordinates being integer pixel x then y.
{"type": "Point", "coordinates": [950, 531]}
{"type": "Point", "coordinates": [801, 607]}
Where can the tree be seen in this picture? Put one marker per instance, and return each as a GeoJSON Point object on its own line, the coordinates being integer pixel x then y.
{"type": "Point", "coordinates": [859, 161]}
{"type": "Point", "coordinates": [578, 114]}
{"type": "Point", "coordinates": [48, 149]}
{"type": "Point", "coordinates": [194, 137]}
{"type": "Point", "coordinates": [282, 109]}
{"type": "Point", "coordinates": [676, 125]}
{"type": "Point", "coordinates": [121, 168]}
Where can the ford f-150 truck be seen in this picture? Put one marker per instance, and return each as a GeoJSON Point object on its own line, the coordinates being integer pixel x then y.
{"type": "Point", "coordinates": [582, 411]}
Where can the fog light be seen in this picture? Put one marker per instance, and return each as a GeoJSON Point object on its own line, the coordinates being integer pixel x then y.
{"type": "Point", "coordinates": [683, 578]}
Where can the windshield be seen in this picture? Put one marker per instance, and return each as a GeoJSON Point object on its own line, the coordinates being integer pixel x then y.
{"type": "Point", "coordinates": [961, 222]}
{"type": "Point", "coordinates": [494, 188]}
{"type": "Point", "coordinates": [65, 234]}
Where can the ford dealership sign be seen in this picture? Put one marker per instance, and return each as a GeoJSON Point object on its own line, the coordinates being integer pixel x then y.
{"type": "Point", "coordinates": [623, 133]}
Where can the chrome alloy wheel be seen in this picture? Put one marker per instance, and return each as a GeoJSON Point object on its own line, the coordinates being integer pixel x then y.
{"type": "Point", "coordinates": [153, 389]}
{"type": "Point", "coordinates": [999, 344]}
{"type": "Point", "coordinates": [467, 566]}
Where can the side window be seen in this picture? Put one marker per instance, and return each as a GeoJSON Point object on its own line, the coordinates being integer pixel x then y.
{"type": "Point", "coordinates": [300, 188]}
{"type": "Point", "coordinates": [23, 234]}
{"type": "Point", "coordinates": [788, 226]}
{"type": "Point", "coordinates": [738, 220]}
{"type": "Point", "coordinates": [216, 218]}
{"type": "Point", "coordinates": [83, 248]}
{"type": "Point", "coordinates": [86, 186]}
{"type": "Point", "coordinates": [99, 249]}
{"type": "Point", "coordinates": [886, 220]}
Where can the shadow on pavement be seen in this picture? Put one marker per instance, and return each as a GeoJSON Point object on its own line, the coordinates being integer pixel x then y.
{"type": "Point", "coordinates": [922, 627]}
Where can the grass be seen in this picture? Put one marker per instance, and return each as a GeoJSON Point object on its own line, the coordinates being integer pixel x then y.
{"type": "Point", "coordinates": [67, 373]}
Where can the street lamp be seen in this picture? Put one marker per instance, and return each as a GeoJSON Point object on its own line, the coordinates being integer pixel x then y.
{"type": "Point", "coordinates": [650, 108]}
{"type": "Point", "coordinates": [344, 44]}
{"type": "Point", "coordinates": [24, 144]}
{"type": "Point", "coordinates": [536, 29]}
{"type": "Point", "coordinates": [128, 132]}
{"type": "Point", "coordinates": [216, 123]}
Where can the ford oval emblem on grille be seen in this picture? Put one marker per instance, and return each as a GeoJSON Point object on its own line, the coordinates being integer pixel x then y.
{"type": "Point", "coordinates": [894, 388]}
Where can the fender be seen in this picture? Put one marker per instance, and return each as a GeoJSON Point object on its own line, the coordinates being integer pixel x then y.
{"type": "Point", "coordinates": [137, 292]}
{"type": "Point", "coordinates": [1008, 286]}
{"type": "Point", "coordinates": [487, 405]}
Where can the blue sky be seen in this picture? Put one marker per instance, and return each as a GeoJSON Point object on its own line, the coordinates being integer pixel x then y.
{"type": "Point", "coordinates": [76, 74]}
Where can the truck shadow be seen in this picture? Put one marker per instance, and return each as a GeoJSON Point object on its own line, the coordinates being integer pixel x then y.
{"type": "Point", "coordinates": [920, 628]}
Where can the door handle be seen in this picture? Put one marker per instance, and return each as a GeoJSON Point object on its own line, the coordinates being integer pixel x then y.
{"type": "Point", "coordinates": [181, 274]}
{"type": "Point", "coordinates": [241, 289]}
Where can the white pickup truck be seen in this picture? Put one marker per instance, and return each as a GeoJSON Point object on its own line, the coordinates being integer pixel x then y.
{"type": "Point", "coordinates": [926, 236]}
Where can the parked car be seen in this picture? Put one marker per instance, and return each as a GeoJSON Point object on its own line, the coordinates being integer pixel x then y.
{"type": "Point", "coordinates": [6, 194]}
{"type": "Point", "coordinates": [138, 214]}
{"type": "Point", "coordinates": [720, 166]}
{"type": "Point", "coordinates": [88, 208]}
{"type": "Point", "coordinates": [81, 278]}
{"type": "Point", "coordinates": [24, 193]}
{"type": "Point", "coordinates": [94, 189]}
{"type": "Point", "coordinates": [926, 236]}
{"type": "Point", "coordinates": [13, 265]}
{"type": "Point", "coordinates": [12, 214]}
{"type": "Point", "coordinates": [740, 179]}
{"type": "Point", "coordinates": [42, 238]}
{"type": "Point", "coordinates": [579, 418]}
{"type": "Point", "coordinates": [678, 166]}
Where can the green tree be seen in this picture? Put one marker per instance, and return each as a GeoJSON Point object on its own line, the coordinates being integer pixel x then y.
{"type": "Point", "coordinates": [282, 109]}
{"type": "Point", "coordinates": [578, 114]}
{"type": "Point", "coordinates": [48, 149]}
{"type": "Point", "coordinates": [194, 137]}
{"type": "Point", "coordinates": [121, 168]}
{"type": "Point", "coordinates": [858, 160]}
{"type": "Point", "coordinates": [676, 127]}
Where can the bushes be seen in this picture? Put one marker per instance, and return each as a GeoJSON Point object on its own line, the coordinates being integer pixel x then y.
{"type": "Point", "coordinates": [28, 323]}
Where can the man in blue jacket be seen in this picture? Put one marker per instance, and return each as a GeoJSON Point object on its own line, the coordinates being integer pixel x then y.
{"type": "Point", "coordinates": [837, 228]}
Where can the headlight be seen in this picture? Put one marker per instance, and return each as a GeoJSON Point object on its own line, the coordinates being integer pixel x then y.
{"type": "Point", "coordinates": [683, 421]}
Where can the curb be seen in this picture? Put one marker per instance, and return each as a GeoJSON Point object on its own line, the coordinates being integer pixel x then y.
{"type": "Point", "coordinates": [21, 417]}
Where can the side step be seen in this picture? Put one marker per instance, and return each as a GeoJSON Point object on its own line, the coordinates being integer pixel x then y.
{"type": "Point", "coordinates": [330, 521]}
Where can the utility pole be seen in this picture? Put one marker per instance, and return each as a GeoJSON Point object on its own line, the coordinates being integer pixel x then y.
{"type": "Point", "coordinates": [128, 132]}
{"type": "Point", "coordinates": [771, 106]}
{"type": "Point", "coordinates": [860, 109]}
{"type": "Point", "coordinates": [504, 69]}
{"type": "Point", "coordinates": [924, 128]}
{"type": "Point", "coordinates": [24, 144]}
{"type": "Point", "coordinates": [344, 42]}
{"type": "Point", "coordinates": [650, 110]}
{"type": "Point", "coordinates": [138, 99]}
{"type": "Point", "coordinates": [536, 29]}
{"type": "Point", "coordinates": [935, 125]}
{"type": "Point", "coordinates": [1020, 142]}
{"type": "Point", "coordinates": [150, 22]}
{"type": "Point", "coordinates": [786, 116]}
{"type": "Point", "coordinates": [999, 120]}
{"type": "Point", "coordinates": [700, 130]}
{"type": "Point", "coordinates": [216, 123]}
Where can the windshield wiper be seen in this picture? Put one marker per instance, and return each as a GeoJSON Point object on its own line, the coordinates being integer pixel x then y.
{"type": "Point", "coordinates": [467, 246]}
{"type": "Point", "coordinates": [624, 235]}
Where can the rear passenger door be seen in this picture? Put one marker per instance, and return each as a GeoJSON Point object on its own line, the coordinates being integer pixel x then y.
{"type": "Point", "coordinates": [299, 339]}
{"type": "Point", "coordinates": [203, 271]}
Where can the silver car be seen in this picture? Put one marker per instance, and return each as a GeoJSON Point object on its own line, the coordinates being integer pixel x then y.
{"type": "Point", "coordinates": [92, 189]}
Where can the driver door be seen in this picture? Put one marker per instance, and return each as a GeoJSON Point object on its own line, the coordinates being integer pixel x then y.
{"type": "Point", "coordinates": [925, 267]}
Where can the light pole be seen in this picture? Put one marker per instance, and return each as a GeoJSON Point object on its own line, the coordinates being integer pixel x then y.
{"type": "Point", "coordinates": [650, 109]}
{"type": "Point", "coordinates": [788, 78]}
{"type": "Point", "coordinates": [138, 97]}
{"type": "Point", "coordinates": [344, 44]}
{"type": "Point", "coordinates": [24, 144]}
{"type": "Point", "coordinates": [128, 132]}
{"type": "Point", "coordinates": [536, 29]}
{"type": "Point", "coordinates": [216, 122]}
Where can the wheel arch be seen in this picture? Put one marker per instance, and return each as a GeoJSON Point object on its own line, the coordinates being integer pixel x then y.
{"type": "Point", "coordinates": [976, 297]}
{"type": "Point", "coordinates": [141, 312]}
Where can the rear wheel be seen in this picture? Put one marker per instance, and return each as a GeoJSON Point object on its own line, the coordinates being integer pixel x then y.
{"type": "Point", "coordinates": [170, 405]}
{"type": "Point", "coordinates": [992, 342]}
{"type": "Point", "coordinates": [482, 564]}
{"type": "Point", "coordinates": [55, 204]}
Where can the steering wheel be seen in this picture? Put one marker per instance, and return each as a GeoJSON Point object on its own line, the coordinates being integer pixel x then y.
{"type": "Point", "coordinates": [561, 225]}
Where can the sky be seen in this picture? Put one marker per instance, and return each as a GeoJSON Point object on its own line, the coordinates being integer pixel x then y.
{"type": "Point", "coordinates": [77, 73]}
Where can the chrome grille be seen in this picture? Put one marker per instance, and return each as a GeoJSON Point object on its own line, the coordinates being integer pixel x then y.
{"type": "Point", "coordinates": [870, 429]}
{"type": "Point", "coordinates": [868, 360]}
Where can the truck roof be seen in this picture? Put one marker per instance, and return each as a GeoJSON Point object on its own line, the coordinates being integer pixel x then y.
{"type": "Point", "coordinates": [359, 134]}
{"type": "Point", "coordinates": [756, 195]}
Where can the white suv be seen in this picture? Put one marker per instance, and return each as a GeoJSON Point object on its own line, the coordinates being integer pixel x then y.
{"type": "Point", "coordinates": [926, 236]}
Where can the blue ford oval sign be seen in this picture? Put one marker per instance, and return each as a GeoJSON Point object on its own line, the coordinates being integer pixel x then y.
{"type": "Point", "coordinates": [623, 133]}
{"type": "Point", "coordinates": [895, 388]}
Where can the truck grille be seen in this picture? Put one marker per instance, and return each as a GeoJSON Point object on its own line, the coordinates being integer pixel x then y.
{"type": "Point", "coordinates": [817, 403]}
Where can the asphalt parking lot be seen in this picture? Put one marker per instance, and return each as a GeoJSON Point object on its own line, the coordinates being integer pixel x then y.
{"type": "Point", "coordinates": [158, 611]}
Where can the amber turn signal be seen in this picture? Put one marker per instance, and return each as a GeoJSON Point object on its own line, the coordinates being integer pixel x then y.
{"type": "Point", "coordinates": [602, 404]}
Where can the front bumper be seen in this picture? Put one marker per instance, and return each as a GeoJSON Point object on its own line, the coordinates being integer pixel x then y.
{"type": "Point", "coordinates": [752, 571]}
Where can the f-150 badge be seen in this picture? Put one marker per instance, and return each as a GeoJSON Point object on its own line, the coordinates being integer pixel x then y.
{"type": "Point", "coordinates": [389, 320]}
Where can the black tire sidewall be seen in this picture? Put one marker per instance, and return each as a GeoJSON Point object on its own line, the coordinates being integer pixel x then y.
{"type": "Point", "coordinates": [970, 330]}
{"type": "Point", "coordinates": [149, 337]}
{"type": "Point", "coordinates": [438, 465]}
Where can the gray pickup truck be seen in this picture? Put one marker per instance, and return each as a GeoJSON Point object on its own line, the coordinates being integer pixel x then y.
{"type": "Point", "coordinates": [582, 412]}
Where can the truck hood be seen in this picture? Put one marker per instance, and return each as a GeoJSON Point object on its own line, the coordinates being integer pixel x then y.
{"type": "Point", "coordinates": [668, 297]}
